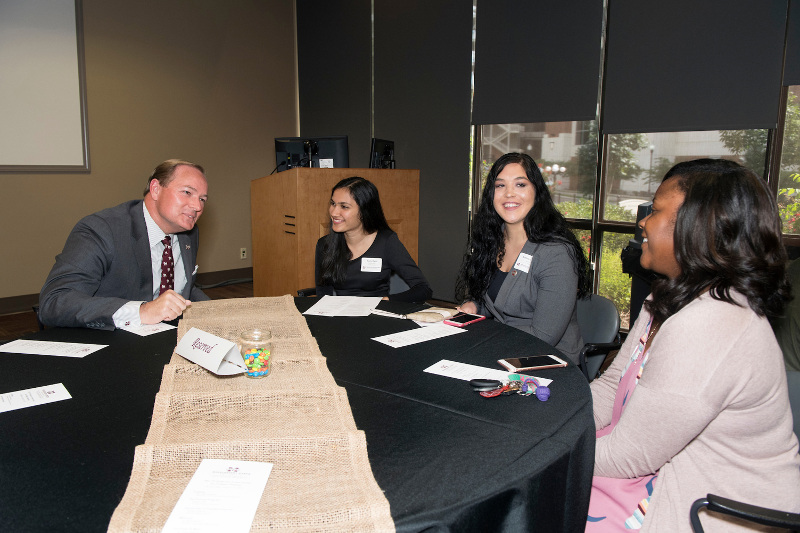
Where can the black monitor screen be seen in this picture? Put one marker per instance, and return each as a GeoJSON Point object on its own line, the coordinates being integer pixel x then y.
{"type": "Point", "coordinates": [381, 154]}
{"type": "Point", "coordinates": [317, 152]}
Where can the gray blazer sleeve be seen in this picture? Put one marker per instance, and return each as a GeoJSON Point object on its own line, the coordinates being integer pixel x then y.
{"type": "Point", "coordinates": [69, 296]}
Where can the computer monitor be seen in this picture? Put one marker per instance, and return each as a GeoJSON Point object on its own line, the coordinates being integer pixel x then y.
{"type": "Point", "coordinates": [316, 152]}
{"type": "Point", "coordinates": [381, 154]}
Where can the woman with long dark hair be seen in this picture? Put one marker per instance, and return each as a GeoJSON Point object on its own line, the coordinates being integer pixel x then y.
{"type": "Point", "coordinates": [696, 400]}
{"type": "Point", "coordinates": [523, 266]}
{"type": "Point", "coordinates": [361, 252]}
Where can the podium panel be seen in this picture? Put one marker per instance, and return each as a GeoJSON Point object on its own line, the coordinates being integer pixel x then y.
{"type": "Point", "coordinates": [289, 213]}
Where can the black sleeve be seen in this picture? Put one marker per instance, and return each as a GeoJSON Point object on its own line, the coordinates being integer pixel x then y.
{"type": "Point", "coordinates": [404, 266]}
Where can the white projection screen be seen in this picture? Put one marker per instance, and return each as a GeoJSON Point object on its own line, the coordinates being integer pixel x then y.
{"type": "Point", "coordinates": [42, 87]}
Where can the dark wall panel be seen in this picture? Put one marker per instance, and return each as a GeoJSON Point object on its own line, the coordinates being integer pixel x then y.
{"type": "Point", "coordinates": [422, 102]}
{"type": "Point", "coordinates": [333, 51]}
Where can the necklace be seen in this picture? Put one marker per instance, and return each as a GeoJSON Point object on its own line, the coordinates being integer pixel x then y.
{"type": "Point", "coordinates": [652, 333]}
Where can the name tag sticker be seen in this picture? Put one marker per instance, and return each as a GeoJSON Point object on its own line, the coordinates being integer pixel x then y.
{"type": "Point", "coordinates": [213, 353]}
{"type": "Point", "coordinates": [523, 262]}
{"type": "Point", "coordinates": [371, 264]}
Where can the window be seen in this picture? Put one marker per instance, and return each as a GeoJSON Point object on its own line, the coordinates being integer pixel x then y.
{"type": "Point", "coordinates": [637, 162]}
{"type": "Point", "coordinates": [567, 167]}
{"type": "Point", "coordinates": [789, 170]}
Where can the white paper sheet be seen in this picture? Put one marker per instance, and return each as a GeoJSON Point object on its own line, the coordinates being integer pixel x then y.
{"type": "Point", "coordinates": [466, 372]}
{"type": "Point", "coordinates": [415, 336]}
{"type": "Point", "coordinates": [61, 349]}
{"type": "Point", "coordinates": [35, 396]}
{"type": "Point", "coordinates": [222, 495]}
{"type": "Point", "coordinates": [344, 306]}
{"type": "Point", "coordinates": [148, 329]}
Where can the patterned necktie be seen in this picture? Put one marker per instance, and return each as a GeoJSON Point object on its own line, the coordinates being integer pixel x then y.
{"type": "Point", "coordinates": [167, 267]}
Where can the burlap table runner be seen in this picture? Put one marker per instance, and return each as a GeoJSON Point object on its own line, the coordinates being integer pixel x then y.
{"type": "Point", "coordinates": [297, 418]}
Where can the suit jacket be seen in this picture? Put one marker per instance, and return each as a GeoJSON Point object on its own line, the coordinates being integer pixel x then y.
{"type": "Point", "coordinates": [542, 301]}
{"type": "Point", "coordinates": [104, 265]}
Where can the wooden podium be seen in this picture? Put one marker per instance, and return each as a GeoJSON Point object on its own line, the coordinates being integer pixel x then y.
{"type": "Point", "coordinates": [289, 213]}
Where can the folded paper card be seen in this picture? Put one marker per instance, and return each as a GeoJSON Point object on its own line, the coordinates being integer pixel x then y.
{"type": "Point", "coordinates": [213, 353]}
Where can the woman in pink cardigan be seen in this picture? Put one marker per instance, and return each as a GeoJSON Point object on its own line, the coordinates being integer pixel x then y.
{"type": "Point", "coordinates": [696, 401]}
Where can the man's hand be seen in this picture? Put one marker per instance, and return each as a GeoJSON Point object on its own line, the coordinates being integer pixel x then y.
{"type": "Point", "coordinates": [167, 306]}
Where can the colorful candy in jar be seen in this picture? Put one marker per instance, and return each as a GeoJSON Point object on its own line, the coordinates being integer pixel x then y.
{"type": "Point", "coordinates": [257, 362]}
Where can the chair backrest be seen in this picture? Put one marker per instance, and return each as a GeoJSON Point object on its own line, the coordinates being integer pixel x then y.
{"type": "Point", "coordinates": [397, 284]}
{"type": "Point", "coordinates": [598, 319]}
{"type": "Point", "coordinates": [793, 381]}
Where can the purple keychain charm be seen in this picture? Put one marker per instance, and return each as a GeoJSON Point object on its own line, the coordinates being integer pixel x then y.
{"type": "Point", "coordinates": [542, 393]}
{"type": "Point", "coordinates": [531, 386]}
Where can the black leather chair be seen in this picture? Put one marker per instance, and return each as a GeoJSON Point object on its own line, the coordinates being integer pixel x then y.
{"type": "Point", "coordinates": [36, 314]}
{"type": "Point", "coordinates": [599, 321]}
{"type": "Point", "coordinates": [793, 383]}
{"type": "Point", "coordinates": [751, 513]}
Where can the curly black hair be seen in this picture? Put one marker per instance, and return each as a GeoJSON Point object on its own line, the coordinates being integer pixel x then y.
{"type": "Point", "coordinates": [543, 223]}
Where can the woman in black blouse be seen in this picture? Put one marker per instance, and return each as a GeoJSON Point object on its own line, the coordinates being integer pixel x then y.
{"type": "Point", "coordinates": [361, 252]}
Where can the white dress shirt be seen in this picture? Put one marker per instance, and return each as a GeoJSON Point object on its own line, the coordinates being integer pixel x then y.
{"type": "Point", "coordinates": [128, 314]}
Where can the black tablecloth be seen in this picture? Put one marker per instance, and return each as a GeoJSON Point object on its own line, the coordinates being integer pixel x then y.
{"type": "Point", "coordinates": [446, 458]}
{"type": "Point", "coordinates": [449, 459]}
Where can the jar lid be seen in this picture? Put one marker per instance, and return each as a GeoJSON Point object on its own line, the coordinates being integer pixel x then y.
{"type": "Point", "coordinates": [256, 335]}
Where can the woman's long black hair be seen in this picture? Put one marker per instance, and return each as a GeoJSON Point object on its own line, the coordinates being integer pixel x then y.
{"type": "Point", "coordinates": [336, 254]}
{"type": "Point", "coordinates": [543, 223]}
{"type": "Point", "coordinates": [727, 237]}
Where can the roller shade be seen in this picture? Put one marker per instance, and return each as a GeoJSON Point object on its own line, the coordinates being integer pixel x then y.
{"type": "Point", "coordinates": [537, 61]}
{"type": "Point", "coordinates": [689, 65]}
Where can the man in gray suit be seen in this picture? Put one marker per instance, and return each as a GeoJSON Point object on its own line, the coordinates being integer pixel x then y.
{"type": "Point", "coordinates": [110, 271]}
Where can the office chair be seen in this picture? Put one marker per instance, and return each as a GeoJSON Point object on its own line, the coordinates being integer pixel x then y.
{"type": "Point", "coordinates": [759, 515]}
{"type": "Point", "coordinates": [36, 314]}
{"type": "Point", "coordinates": [396, 285]}
{"type": "Point", "coordinates": [793, 383]}
{"type": "Point", "coordinates": [751, 513]}
{"type": "Point", "coordinates": [599, 321]}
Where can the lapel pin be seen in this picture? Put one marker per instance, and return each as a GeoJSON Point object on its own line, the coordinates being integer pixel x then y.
{"type": "Point", "coordinates": [188, 246]}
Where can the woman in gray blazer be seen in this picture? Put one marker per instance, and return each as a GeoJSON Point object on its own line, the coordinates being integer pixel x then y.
{"type": "Point", "coordinates": [523, 266]}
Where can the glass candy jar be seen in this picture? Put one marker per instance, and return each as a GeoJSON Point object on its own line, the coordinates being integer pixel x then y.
{"type": "Point", "coordinates": [255, 345]}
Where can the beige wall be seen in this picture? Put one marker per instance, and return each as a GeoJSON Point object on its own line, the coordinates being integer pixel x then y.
{"type": "Point", "coordinates": [203, 80]}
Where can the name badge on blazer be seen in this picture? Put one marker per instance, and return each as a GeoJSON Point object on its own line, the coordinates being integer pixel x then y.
{"type": "Point", "coordinates": [523, 262]}
{"type": "Point", "coordinates": [371, 264]}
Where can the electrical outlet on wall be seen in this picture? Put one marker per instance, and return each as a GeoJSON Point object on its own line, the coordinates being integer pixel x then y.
{"type": "Point", "coordinates": [243, 253]}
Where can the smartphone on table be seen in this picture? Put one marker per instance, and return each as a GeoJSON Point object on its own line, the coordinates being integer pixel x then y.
{"type": "Point", "coordinates": [462, 319]}
{"type": "Point", "coordinates": [533, 362]}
